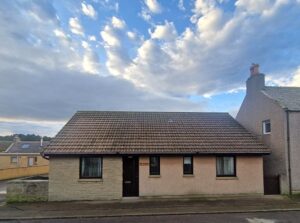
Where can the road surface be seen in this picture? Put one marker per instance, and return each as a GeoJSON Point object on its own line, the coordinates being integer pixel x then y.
{"type": "Point", "coordinates": [266, 217]}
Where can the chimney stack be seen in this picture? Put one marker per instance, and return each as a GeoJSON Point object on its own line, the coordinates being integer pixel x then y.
{"type": "Point", "coordinates": [17, 138]}
{"type": "Point", "coordinates": [256, 81]}
{"type": "Point", "coordinates": [254, 69]}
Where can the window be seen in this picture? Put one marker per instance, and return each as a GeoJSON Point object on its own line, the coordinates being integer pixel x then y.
{"type": "Point", "coordinates": [266, 127]}
{"type": "Point", "coordinates": [187, 165]}
{"type": "Point", "coordinates": [13, 159]}
{"type": "Point", "coordinates": [225, 166]}
{"type": "Point", "coordinates": [91, 167]}
{"type": "Point", "coordinates": [32, 161]}
{"type": "Point", "coordinates": [154, 165]}
{"type": "Point", "coordinates": [25, 146]}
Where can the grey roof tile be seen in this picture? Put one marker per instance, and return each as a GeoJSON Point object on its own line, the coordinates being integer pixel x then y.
{"type": "Point", "coordinates": [287, 97]}
{"type": "Point", "coordinates": [26, 147]}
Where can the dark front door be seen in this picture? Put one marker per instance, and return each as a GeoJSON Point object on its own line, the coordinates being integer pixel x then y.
{"type": "Point", "coordinates": [272, 185]}
{"type": "Point", "coordinates": [130, 176]}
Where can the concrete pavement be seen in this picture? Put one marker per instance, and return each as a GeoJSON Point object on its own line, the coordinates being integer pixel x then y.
{"type": "Point", "coordinates": [142, 207]}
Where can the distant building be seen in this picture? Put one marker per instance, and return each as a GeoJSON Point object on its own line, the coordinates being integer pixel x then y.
{"type": "Point", "coordinates": [273, 115]}
{"type": "Point", "coordinates": [111, 155]}
{"type": "Point", "coordinates": [23, 158]}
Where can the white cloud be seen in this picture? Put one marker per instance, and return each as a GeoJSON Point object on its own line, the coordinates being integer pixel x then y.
{"type": "Point", "coordinates": [164, 32]}
{"type": "Point", "coordinates": [181, 5]}
{"type": "Point", "coordinates": [92, 38]}
{"type": "Point", "coordinates": [145, 15]}
{"type": "Point", "coordinates": [75, 26]}
{"type": "Point", "coordinates": [213, 55]}
{"type": "Point", "coordinates": [296, 80]}
{"type": "Point", "coordinates": [109, 36]}
{"type": "Point", "coordinates": [88, 10]}
{"type": "Point", "coordinates": [131, 35]}
{"type": "Point", "coordinates": [90, 62]}
{"type": "Point", "coordinates": [59, 33]}
{"type": "Point", "coordinates": [85, 44]}
{"type": "Point", "coordinates": [117, 23]}
{"type": "Point", "coordinates": [153, 6]}
{"type": "Point", "coordinates": [254, 6]}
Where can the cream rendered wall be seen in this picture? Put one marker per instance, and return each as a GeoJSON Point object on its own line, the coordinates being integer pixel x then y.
{"type": "Point", "coordinates": [64, 182]}
{"type": "Point", "coordinates": [5, 160]}
{"type": "Point", "coordinates": [256, 108]}
{"type": "Point", "coordinates": [171, 182]}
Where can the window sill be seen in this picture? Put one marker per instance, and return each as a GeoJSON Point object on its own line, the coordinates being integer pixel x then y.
{"type": "Point", "coordinates": [188, 175]}
{"type": "Point", "coordinates": [227, 178]}
{"type": "Point", "coordinates": [90, 180]}
{"type": "Point", "coordinates": [154, 176]}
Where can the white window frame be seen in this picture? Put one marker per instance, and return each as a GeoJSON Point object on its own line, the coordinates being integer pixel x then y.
{"type": "Point", "coordinates": [34, 161]}
{"type": "Point", "coordinates": [14, 157]}
{"type": "Point", "coordinates": [264, 123]}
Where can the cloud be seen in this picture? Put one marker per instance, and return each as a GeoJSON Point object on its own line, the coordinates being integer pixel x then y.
{"type": "Point", "coordinates": [90, 62]}
{"type": "Point", "coordinates": [88, 10]}
{"type": "Point", "coordinates": [92, 38]}
{"type": "Point", "coordinates": [153, 6]}
{"type": "Point", "coordinates": [181, 5]}
{"type": "Point", "coordinates": [75, 26]}
{"type": "Point", "coordinates": [131, 35]}
{"type": "Point", "coordinates": [47, 87]}
{"type": "Point", "coordinates": [150, 7]}
{"type": "Point", "coordinates": [296, 79]}
{"type": "Point", "coordinates": [117, 57]}
{"type": "Point", "coordinates": [117, 23]}
{"type": "Point", "coordinates": [44, 128]}
{"type": "Point", "coordinates": [213, 55]}
{"type": "Point", "coordinates": [164, 32]}
{"type": "Point", "coordinates": [254, 7]}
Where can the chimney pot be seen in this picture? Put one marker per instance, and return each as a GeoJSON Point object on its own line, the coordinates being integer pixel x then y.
{"type": "Point", "coordinates": [254, 69]}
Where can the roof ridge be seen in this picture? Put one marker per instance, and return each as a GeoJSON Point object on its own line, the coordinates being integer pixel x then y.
{"type": "Point", "coordinates": [191, 112]}
{"type": "Point", "coordinates": [278, 87]}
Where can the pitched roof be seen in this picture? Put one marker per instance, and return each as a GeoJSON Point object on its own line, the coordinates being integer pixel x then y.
{"type": "Point", "coordinates": [287, 97]}
{"type": "Point", "coordinates": [100, 132]}
{"type": "Point", "coordinates": [26, 147]}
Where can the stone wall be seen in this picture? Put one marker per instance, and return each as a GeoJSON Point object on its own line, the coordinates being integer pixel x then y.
{"type": "Point", "coordinates": [27, 190]}
{"type": "Point", "coordinates": [65, 184]}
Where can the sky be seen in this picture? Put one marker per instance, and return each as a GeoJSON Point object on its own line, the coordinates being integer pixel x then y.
{"type": "Point", "coordinates": [58, 57]}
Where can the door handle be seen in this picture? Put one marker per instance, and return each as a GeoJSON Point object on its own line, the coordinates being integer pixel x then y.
{"type": "Point", "coordinates": [127, 182]}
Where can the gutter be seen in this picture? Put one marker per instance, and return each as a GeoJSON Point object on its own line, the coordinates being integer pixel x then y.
{"type": "Point", "coordinates": [44, 156]}
{"type": "Point", "coordinates": [288, 149]}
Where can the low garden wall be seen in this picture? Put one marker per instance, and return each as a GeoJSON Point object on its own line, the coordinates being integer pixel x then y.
{"type": "Point", "coordinates": [27, 190]}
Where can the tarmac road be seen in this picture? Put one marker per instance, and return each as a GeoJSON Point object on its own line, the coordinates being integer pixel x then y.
{"type": "Point", "coordinates": [262, 217]}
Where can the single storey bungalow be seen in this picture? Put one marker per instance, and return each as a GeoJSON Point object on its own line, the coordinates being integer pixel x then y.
{"type": "Point", "coordinates": [110, 155]}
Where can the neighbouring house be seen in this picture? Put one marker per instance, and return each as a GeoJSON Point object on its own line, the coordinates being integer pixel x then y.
{"type": "Point", "coordinates": [273, 115]}
{"type": "Point", "coordinates": [23, 158]}
{"type": "Point", "coordinates": [110, 155]}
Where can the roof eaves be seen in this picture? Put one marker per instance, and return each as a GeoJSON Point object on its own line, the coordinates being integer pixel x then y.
{"type": "Point", "coordinates": [273, 99]}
